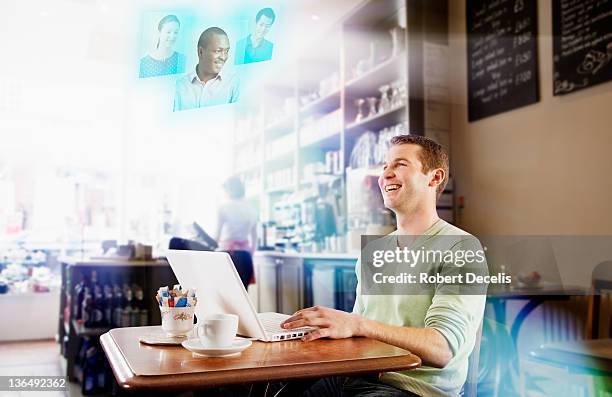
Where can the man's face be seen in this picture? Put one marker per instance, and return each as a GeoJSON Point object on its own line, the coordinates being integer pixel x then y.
{"type": "Point", "coordinates": [403, 183]}
{"type": "Point", "coordinates": [262, 27]}
{"type": "Point", "coordinates": [214, 55]}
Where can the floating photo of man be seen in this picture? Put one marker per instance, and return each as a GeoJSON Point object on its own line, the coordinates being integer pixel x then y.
{"type": "Point", "coordinates": [208, 84]}
{"type": "Point", "coordinates": [163, 59]}
{"type": "Point", "coordinates": [254, 47]}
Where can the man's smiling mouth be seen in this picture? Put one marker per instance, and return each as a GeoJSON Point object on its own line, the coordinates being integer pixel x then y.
{"type": "Point", "coordinates": [392, 187]}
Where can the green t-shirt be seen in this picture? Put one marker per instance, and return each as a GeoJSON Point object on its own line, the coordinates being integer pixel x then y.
{"type": "Point", "coordinates": [457, 317]}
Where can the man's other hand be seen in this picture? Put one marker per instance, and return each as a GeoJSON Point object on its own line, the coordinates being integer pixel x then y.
{"type": "Point", "coordinates": [330, 323]}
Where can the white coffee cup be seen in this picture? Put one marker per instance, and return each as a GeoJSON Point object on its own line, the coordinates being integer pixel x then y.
{"type": "Point", "coordinates": [217, 330]}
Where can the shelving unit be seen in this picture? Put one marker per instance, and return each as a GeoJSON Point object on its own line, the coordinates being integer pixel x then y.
{"type": "Point", "coordinates": [148, 274]}
{"type": "Point", "coordinates": [378, 121]}
{"type": "Point", "coordinates": [325, 104]}
{"type": "Point", "coordinates": [353, 60]}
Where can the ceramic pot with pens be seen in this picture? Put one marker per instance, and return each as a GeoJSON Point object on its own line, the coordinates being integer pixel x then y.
{"type": "Point", "coordinates": [177, 321]}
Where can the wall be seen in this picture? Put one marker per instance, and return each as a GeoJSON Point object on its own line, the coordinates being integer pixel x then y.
{"type": "Point", "coordinates": [541, 169]}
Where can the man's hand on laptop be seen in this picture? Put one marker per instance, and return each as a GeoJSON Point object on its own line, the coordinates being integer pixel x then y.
{"type": "Point", "coordinates": [330, 323]}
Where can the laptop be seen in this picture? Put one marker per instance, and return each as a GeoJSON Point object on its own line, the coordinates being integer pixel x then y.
{"type": "Point", "coordinates": [219, 290]}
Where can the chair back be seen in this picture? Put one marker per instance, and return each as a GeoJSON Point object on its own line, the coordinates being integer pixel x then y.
{"type": "Point", "coordinates": [601, 281]}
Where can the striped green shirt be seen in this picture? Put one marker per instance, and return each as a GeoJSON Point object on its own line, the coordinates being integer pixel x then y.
{"type": "Point", "coordinates": [457, 317]}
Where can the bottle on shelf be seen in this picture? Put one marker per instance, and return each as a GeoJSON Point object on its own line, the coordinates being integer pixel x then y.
{"type": "Point", "coordinates": [135, 313]}
{"type": "Point", "coordinates": [108, 304]}
{"type": "Point", "coordinates": [96, 309]}
{"type": "Point", "coordinates": [126, 314]}
{"type": "Point", "coordinates": [89, 384]}
{"type": "Point", "coordinates": [143, 313]}
{"type": "Point", "coordinates": [77, 302]}
{"type": "Point", "coordinates": [87, 307]}
{"type": "Point", "coordinates": [117, 303]}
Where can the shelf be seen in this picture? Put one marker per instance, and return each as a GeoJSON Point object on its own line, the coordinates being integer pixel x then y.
{"type": "Point", "coordinates": [81, 330]}
{"type": "Point", "coordinates": [325, 104]}
{"type": "Point", "coordinates": [379, 121]}
{"type": "Point", "coordinates": [286, 123]}
{"type": "Point", "coordinates": [100, 261]}
{"type": "Point", "coordinates": [384, 73]}
{"type": "Point", "coordinates": [244, 170]}
{"type": "Point", "coordinates": [329, 177]}
{"type": "Point", "coordinates": [281, 189]}
{"type": "Point", "coordinates": [329, 141]}
{"type": "Point", "coordinates": [246, 141]}
{"type": "Point", "coordinates": [282, 160]}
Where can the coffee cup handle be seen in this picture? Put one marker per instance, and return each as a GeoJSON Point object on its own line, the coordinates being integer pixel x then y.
{"type": "Point", "coordinates": [203, 327]}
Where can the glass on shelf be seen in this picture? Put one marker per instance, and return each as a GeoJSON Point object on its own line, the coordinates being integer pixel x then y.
{"type": "Point", "coordinates": [403, 92]}
{"type": "Point", "coordinates": [397, 39]}
{"type": "Point", "coordinates": [385, 104]}
{"type": "Point", "coordinates": [372, 106]}
{"type": "Point", "coordinates": [395, 100]}
{"type": "Point", "coordinates": [359, 103]}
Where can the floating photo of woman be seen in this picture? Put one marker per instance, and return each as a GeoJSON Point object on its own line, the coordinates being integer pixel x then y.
{"type": "Point", "coordinates": [163, 59]}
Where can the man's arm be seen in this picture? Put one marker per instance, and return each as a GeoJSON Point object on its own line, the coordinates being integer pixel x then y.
{"type": "Point", "coordinates": [427, 343]}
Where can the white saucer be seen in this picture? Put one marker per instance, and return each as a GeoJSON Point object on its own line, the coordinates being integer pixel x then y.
{"type": "Point", "coordinates": [162, 339]}
{"type": "Point", "coordinates": [196, 347]}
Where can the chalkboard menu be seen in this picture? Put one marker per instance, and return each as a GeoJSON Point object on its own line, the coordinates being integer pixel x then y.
{"type": "Point", "coordinates": [502, 56]}
{"type": "Point", "coordinates": [582, 45]}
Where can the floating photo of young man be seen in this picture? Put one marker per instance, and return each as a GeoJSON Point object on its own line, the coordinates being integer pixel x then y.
{"type": "Point", "coordinates": [163, 59]}
{"type": "Point", "coordinates": [208, 84]}
{"type": "Point", "coordinates": [255, 47]}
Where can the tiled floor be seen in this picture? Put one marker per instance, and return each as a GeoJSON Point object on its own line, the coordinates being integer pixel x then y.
{"type": "Point", "coordinates": [40, 358]}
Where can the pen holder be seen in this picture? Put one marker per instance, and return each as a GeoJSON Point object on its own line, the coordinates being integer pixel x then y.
{"type": "Point", "coordinates": [177, 321]}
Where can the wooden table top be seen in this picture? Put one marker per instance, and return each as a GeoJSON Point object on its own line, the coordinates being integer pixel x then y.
{"type": "Point", "coordinates": [594, 354]}
{"type": "Point", "coordinates": [138, 366]}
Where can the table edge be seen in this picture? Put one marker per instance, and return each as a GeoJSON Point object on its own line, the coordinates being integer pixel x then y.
{"type": "Point", "coordinates": [122, 371]}
{"type": "Point", "coordinates": [192, 381]}
{"type": "Point", "coordinates": [128, 380]}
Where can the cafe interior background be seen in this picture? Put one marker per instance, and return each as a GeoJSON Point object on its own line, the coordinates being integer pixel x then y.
{"type": "Point", "coordinates": [95, 166]}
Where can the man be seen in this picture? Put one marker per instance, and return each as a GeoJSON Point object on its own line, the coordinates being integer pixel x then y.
{"type": "Point", "coordinates": [254, 47]}
{"type": "Point", "coordinates": [208, 85]}
{"type": "Point", "coordinates": [438, 327]}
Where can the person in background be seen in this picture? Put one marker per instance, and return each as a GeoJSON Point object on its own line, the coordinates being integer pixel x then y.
{"type": "Point", "coordinates": [163, 59]}
{"type": "Point", "coordinates": [208, 84]}
{"type": "Point", "coordinates": [237, 229]}
{"type": "Point", "coordinates": [254, 47]}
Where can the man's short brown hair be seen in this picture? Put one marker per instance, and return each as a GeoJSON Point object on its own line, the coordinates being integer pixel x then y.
{"type": "Point", "coordinates": [432, 155]}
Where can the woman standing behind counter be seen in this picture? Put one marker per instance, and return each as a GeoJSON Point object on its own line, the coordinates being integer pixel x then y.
{"type": "Point", "coordinates": [237, 229]}
{"type": "Point", "coordinates": [163, 59]}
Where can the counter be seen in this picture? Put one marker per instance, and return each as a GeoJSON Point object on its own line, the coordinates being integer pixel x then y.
{"type": "Point", "coordinates": [290, 281]}
{"type": "Point", "coordinates": [309, 255]}
{"type": "Point", "coordinates": [26, 310]}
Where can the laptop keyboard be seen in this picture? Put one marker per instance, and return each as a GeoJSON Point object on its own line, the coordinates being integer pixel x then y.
{"type": "Point", "coordinates": [272, 321]}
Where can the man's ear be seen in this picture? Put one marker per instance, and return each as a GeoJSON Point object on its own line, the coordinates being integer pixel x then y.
{"type": "Point", "coordinates": [200, 52]}
{"type": "Point", "coordinates": [437, 177]}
